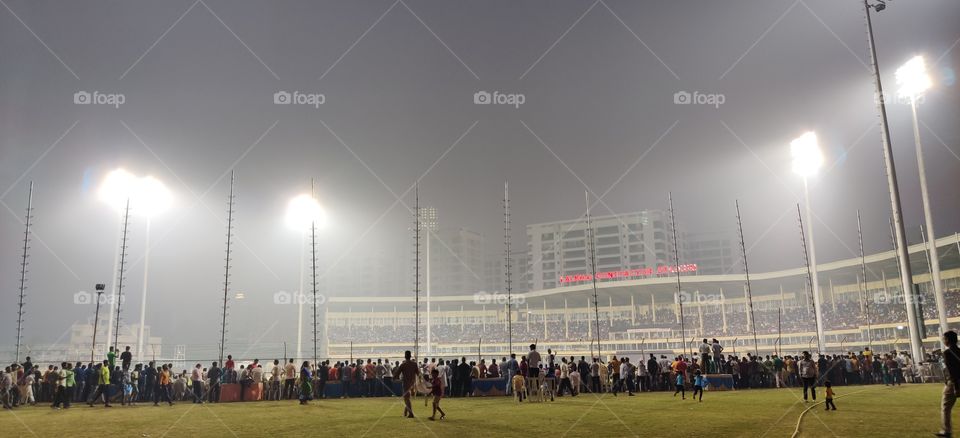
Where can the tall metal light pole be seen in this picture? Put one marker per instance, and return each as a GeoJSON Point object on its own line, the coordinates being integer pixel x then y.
{"type": "Point", "coordinates": [903, 254]}
{"type": "Point", "coordinates": [152, 197]}
{"type": "Point", "coordinates": [593, 270]}
{"type": "Point", "coordinates": [96, 319]}
{"type": "Point", "coordinates": [417, 223]}
{"type": "Point", "coordinates": [23, 268]}
{"type": "Point", "coordinates": [508, 265]}
{"type": "Point", "coordinates": [746, 272]}
{"type": "Point", "coordinates": [676, 256]}
{"type": "Point", "coordinates": [313, 272]}
{"type": "Point", "coordinates": [303, 214]}
{"type": "Point", "coordinates": [863, 285]}
{"type": "Point", "coordinates": [121, 271]}
{"type": "Point", "coordinates": [807, 159]}
{"type": "Point", "coordinates": [226, 269]}
{"type": "Point", "coordinates": [913, 80]}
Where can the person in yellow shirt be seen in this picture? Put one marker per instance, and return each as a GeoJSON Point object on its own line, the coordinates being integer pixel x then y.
{"type": "Point", "coordinates": [164, 387]}
{"type": "Point", "coordinates": [615, 374]}
{"type": "Point", "coordinates": [103, 385]}
{"type": "Point", "coordinates": [829, 402]}
{"type": "Point", "coordinates": [519, 387]}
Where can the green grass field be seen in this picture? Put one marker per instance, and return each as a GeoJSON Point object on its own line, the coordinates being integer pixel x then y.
{"type": "Point", "coordinates": [874, 411]}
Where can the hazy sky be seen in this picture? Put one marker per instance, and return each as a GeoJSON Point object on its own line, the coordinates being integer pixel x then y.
{"type": "Point", "coordinates": [598, 81]}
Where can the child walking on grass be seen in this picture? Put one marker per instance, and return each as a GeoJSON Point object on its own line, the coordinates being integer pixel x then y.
{"type": "Point", "coordinates": [829, 404]}
{"type": "Point", "coordinates": [436, 389]}
{"type": "Point", "coordinates": [679, 383]}
{"type": "Point", "coordinates": [699, 382]}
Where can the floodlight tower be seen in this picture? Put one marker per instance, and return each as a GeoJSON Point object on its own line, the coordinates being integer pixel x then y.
{"type": "Point", "coordinates": [23, 268]}
{"type": "Point", "coordinates": [303, 213]}
{"type": "Point", "coordinates": [116, 190]}
{"type": "Point", "coordinates": [226, 268]}
{"type": "Point", "coordinates": [914, 80]}
{"type": "Point", "coordinates": [807, 159]}
{"type": "Point", "coordinates": [903, 254]}
{"type": "Point", "coordinates": [152, 197]}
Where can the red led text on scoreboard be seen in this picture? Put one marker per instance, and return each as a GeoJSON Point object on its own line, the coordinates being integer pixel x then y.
{"type": "Point", "coordinates": [630, 273]}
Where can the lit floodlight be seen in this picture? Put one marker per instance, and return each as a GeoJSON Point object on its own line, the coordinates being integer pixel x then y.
{"type": "Point", "coordinates": [912, 78]}
{"type": "Point", "coordinates": [151, 197]}
{"type": "Point", "coordinates": [304, 211]}
{"type": "Point", "coordinates": [117, 187]}
{"type": "Point", "coordinates": [148, 196]}
{"type": "Point", "coordinates": [805, 151]}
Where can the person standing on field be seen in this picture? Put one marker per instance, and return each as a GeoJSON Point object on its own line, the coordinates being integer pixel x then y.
{"type": "Point", "coordinates": [951, 361]}
{"type": "Point", "coordinates": [808, 374]}
{"type": "Point", "coordinates": [407, 372]}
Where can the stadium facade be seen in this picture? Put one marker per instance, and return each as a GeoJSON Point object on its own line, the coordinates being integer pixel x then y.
{"type": "Point", "coordinates": [642, 314]}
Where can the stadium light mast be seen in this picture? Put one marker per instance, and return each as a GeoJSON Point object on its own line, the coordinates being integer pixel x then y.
{"type": "Point", "coordinates": [676, 257]}
{"type": "Point", "coordinates": [313, 273]}
{"type": "Point", "coordinates": [746, 272]}
{"type": "Point", "coordinates": [226, 268]}
{"type": "Point", "coordinates": [121, 271]}
{"type": "Point", "coordinates": [863, 284]}
{"type": "Point", "coordinates": [807, 159]}
{"type": "Point", "coordinates": [115, 191]}
{"type": "Point", "coordinates": [913, 80]}
{"type": "Point", "coordinates": [508, 264]}
{"type": "Point", "coordinates": [417, 223]}
{"type": "Point", "coordinates": [593, 271]}
{"type": "Point", "coordinates": [903, 253]}
{"type": "Point", "coordinates": [151, 198]}
{"type": "Point", "coordinates": [304, 213]}
{"type": "Point", "coordinates": [23, 268]}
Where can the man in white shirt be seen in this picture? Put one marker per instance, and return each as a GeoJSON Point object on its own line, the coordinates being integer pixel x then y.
{"type": "Point", "coordinates": [564, 378]}
{"type": "Point", "coordinates": [196, 379]}
{"type": "Point", "coordinates": [290, 378]}
{"type": "Point", "coordinates": [665, 367]}
{"type": "Point", "coordinates": [626, 374]}
{"type": "Point", "coordinates": [274, 392]}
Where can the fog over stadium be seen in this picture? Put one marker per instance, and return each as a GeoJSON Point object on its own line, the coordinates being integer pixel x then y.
{"type": "Point", "coordinates": [627, 101]}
